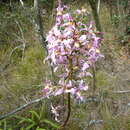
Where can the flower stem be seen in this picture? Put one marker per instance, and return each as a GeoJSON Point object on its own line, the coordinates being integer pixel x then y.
{"type": "Point", "coordinates": [69, 97]}
{"type": "Point", "coordinates": [69, 111]}
{"type": "Point", "coordinates": [94, 79]}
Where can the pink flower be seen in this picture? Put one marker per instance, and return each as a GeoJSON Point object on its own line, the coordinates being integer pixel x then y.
{"type": "Point", "coordinates": [85, 66]}
{"type": "Point", "coordinates": [67, 17]}
{"type": "Point", "coordinates": [68, 43]}
{"type": "Point", "coordinates": [75, 41]}
{"type": "Point", "coordinates": [78, 11]}
{"type": "Point", "coordinates": [79, 97]}
{"type": "Point", "coordinates": [56, 31]}
{"type": "Point", "coordinates": [59, 92]}
{"type": "Point", "coordinates": [68, 32]}
{"type": "Point", "coordinates": [83, 38]}
{"type": "Point", "coordinates": [56, 111]}
{"type": "Point", "coordinates": [69, 84]}
{"type": "Point", "coordinates": [82, 86]}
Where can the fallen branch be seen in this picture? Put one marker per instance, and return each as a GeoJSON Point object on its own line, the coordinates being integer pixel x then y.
{"type": "Point", "coordinates": [128, 104]}
{"type": "Point", "coordinates": [91, 99]}
{"type": "Point", "coordinates": [93, 122]}
{"type": "Point", "coordinates": [121, 92]}
{"type": "Point", "coordinates": [21, 108]}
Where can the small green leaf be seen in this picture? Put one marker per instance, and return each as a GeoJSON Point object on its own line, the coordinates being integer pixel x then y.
{"type": "Point", "coordinates": [26, 120]}
{"type": "Point", "coordinates": [51, 123]}
{"type": "Point", "coordinates": [40, 129]}
{"type": "Point", "coordinates": [19, 117]}
{"type": "Point", "coordinates": [30, 126]}
{"type": "Point", "coordinates": [42, 121]}
{"type": "Point", "coordinates": [35, 114]}
{"type": "Point", "coordinates": [21, 128]}
{"type": "Point", "coordinates": [42, 112]}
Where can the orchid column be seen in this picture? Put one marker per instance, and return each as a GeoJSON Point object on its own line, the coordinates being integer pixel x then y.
{"type": "Point", "coordinates": [73, 48]}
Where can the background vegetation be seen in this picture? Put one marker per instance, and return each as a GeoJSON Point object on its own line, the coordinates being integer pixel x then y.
{"type": "Point", "coordinates": [23, 72]}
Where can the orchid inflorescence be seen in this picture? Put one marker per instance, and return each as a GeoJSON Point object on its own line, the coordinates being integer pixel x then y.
{"type": "Point", "coordinates": [73, 47]}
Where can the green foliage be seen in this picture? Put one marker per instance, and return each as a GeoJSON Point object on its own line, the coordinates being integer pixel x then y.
{"type": "Point", "coordinates": [115, 20]}
{"type": "Point", "coordinates": [37, 121]}
{"type": "Point", "coordinates": [29, 71]}
{"type": "Point", "coordinates": [3, 124]}
{"type": "Point", "coordinates": [102, 79]}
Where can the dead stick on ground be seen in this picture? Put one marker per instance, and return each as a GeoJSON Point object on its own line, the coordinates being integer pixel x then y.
{"type": "Point", "coordinates": [92, 122]}
{"type": "Point", "coordinates": [121, 92]}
